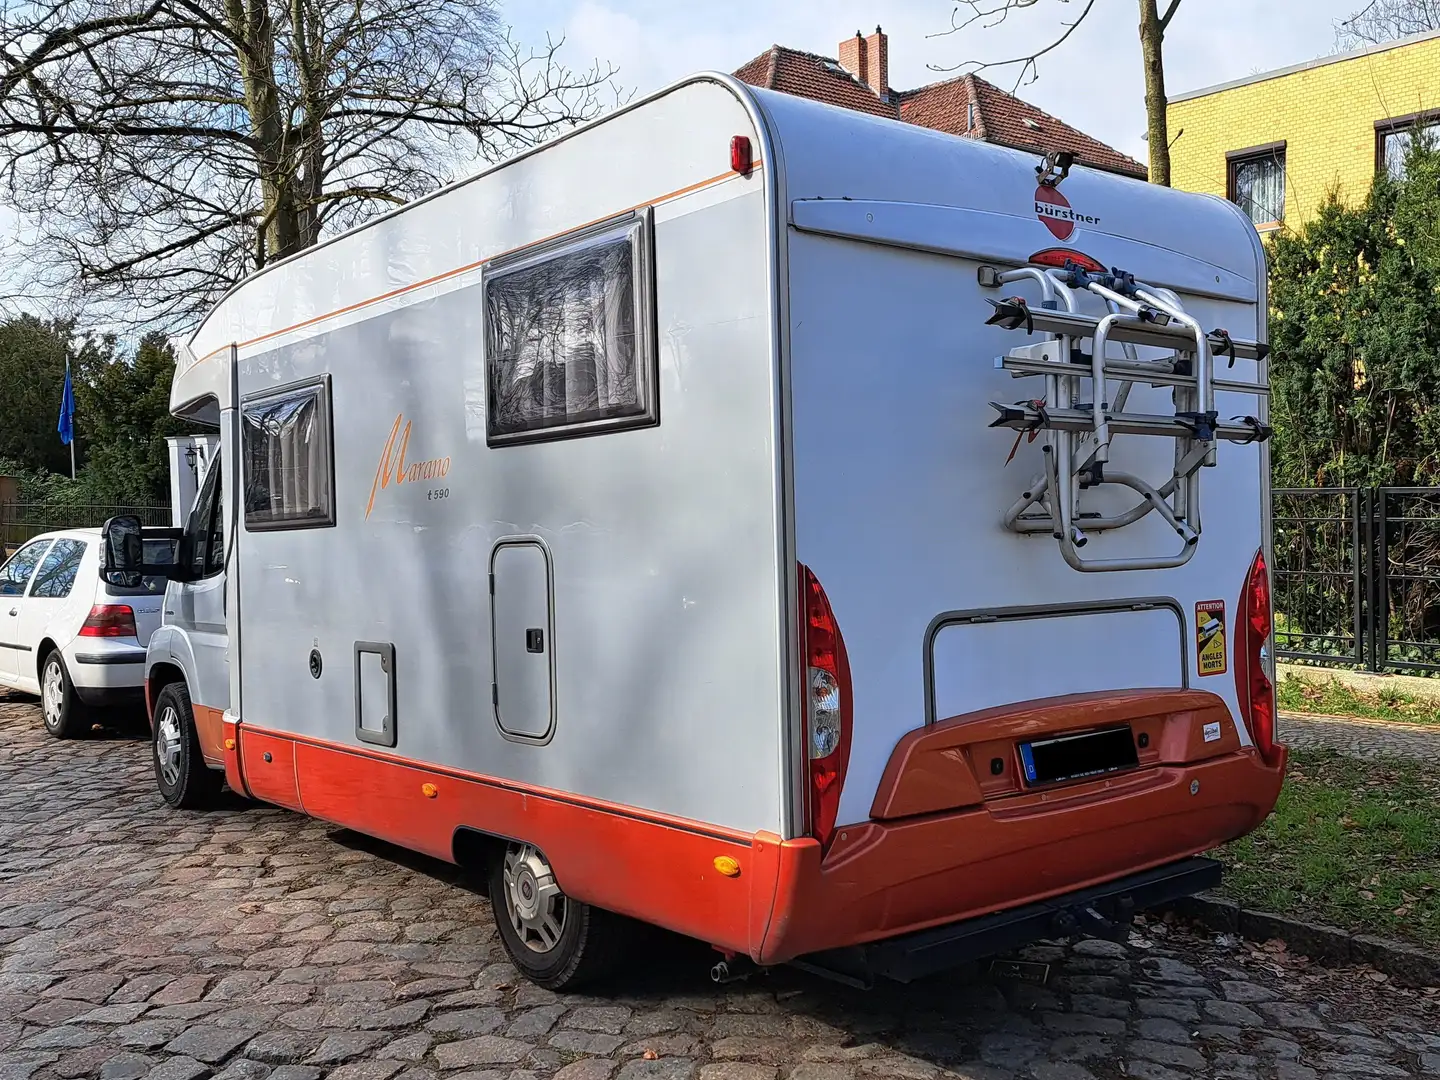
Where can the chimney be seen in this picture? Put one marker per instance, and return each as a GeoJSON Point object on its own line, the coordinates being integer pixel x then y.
{"type": "Point", "coordinates": [852, 56]}
{"type": "Point", "coordinates": [877, 64]}
{"type": "Point", "coordinates": [868, 59]}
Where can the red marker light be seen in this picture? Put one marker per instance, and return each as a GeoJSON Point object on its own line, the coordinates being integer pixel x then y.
{"type": "Point", "coordinates": [740, 159]}
{"type": "Point", "coordinates": [1057, 257]}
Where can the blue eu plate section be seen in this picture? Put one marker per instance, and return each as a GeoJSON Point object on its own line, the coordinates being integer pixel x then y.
{"type": "Point", "coordinates": [1027, 762]}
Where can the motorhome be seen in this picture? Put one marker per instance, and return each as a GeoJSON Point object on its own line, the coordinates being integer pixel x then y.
{"type": "Point", "coordinates": [769, 522]}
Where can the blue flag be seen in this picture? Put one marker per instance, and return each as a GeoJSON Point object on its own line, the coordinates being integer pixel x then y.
{"type": "Point", "coordinates": [66, 427]}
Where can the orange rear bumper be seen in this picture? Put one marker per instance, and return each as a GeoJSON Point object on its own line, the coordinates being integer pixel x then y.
{"type": "Point", "coordinates": [883, 879]}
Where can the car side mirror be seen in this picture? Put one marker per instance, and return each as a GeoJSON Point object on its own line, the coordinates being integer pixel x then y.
{"type": "Point", "coordinates": [122, 552]}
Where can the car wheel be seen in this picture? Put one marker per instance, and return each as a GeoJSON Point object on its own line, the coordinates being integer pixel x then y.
{"type": "Point", "coordinates": [555, 941]}
{"type": "Point", "coordinates": [65, 715]}
{"type": "Point", "coordinates": [185, 781]}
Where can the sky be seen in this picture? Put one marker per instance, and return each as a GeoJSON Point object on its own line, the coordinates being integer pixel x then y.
{"type": "Point", "coordinates": [654, 42]}
{"type": "Point", "coordinates": [1092, 81]}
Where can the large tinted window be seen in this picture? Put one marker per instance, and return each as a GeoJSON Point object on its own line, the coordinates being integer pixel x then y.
{"type": "Point", "coordinates": [56, 576]}
{"type": "Point", "coordinates": [15, 574]}
{"type": "Point", "coordinates": [567, 339]}
{"type": "Point", "coordinates": [289, 482]}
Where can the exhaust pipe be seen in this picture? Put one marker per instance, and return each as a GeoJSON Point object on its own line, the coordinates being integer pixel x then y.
{"type": "Point", "coordinates": [732, 969]}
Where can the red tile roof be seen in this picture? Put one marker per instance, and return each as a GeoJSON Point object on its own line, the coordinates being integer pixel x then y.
{"type": "Point", "coordinates": [1000, 117]}
{"type": "Point", "coordinates": [817, 77]}
{"type": "Point", "coordinates": [1005, 119]}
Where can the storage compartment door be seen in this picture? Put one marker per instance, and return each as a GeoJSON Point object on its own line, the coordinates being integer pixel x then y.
{"type": "Point", "coordinates": [521, 630]}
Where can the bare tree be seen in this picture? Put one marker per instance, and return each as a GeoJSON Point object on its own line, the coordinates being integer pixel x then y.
{"type": "Point", "coordinates": [1153, 26]}
{"type": "Point", "coordinates": [159, 150]}
{"type": "Point", "coordinates": [1387, 20]}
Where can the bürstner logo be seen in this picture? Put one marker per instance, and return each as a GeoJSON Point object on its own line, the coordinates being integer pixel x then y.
{"type": "Point", "coordinates": [1053, 209]}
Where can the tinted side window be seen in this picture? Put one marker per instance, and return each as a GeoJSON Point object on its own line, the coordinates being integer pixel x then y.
{"type": "Point", "coordinates": [57, 573]}
{"type": "Point", "coordinates": [215, 542]}
{"type": "Point", "coordinates": [289, 481]}
{"type": "Point", "coordinates": [202, 524]}
{"type": "Point", "coordinates": [15, 574]}
{"type": "Point", "coordinates": [568, 341]}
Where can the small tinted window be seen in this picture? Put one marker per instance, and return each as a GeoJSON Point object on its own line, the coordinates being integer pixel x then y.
{"type": "Point", "coordinates": [200, 527]}
{"type": "Point", "coordinates": [567, 340]}
{"type": "Point", "coordinates": [215, 543]}
{"type": "Point", "coordinates": [15, 574]}
{"type": "Point", "coordinates": [56, 576]}
{"type": "Point", "coordinates": [289, 482]}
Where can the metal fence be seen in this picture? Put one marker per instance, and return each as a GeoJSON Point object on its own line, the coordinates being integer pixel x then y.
{"type": "Point", "coordinates": [20, 521]}
{"type": "Point", "coordinates": [1357, 577]}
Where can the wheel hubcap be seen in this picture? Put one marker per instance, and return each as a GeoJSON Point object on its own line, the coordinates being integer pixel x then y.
{"type": "Point", "coordinates": [52, 693]}
{"type": "Point", "coordinates": [533, 901]}
{"type": "Point", "coordinates": [167, 745]}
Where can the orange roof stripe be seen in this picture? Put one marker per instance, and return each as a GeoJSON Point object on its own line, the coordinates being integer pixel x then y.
{"type": "Point", "coordinates": [670, 196]}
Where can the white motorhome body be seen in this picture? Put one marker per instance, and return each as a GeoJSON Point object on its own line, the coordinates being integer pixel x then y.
{"type": "Point", "coordinates": [469, 595]}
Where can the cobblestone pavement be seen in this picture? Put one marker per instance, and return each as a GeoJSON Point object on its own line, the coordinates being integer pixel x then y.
{"type": "Point", "coordinates": [254, 944]}
{"type": "Point", "coordinates": [1360, 738]}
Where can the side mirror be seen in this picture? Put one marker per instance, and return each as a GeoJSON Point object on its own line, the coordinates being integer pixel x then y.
{"type": "Point", "coordinates": [122, 552]}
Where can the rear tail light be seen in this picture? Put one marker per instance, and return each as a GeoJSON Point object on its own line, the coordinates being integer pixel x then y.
{"type": "Point", "coordinates": [110, 620]}
{"type": "Point", "coordinates": [828, 706]}
{"type": "Point", "coordinates": [1252, 667]}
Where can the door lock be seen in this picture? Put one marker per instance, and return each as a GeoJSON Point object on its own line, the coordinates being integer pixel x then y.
{"type": "Point", "coordinates": [535, 640]}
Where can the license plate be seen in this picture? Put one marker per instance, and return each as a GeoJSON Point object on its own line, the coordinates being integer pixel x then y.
{"type": "Point", "coordinates": [1075, 757]}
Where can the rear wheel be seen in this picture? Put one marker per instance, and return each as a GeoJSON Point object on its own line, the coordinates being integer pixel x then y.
{"type": "Point", "coordinates": [555, 941]}
{"type": "Point", "coordinates": [185, 781]}
{"type": "Point", "coordinates": [66, 716]}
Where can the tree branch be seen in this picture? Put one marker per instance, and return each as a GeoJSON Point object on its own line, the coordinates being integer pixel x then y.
{"type": "Point", "coordinates": [1027, 62]}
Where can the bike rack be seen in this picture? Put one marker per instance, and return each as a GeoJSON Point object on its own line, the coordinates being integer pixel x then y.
{"type": "Point", "coordinates": [1078, 433]}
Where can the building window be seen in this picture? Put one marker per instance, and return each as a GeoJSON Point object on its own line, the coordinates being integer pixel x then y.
{"type": "Point", "coordinates": [1257, 182]}
{"type": "Point", "coordinates": [289, 477]}
{"type": "Point", "coordinates": [1393, 139]}
{"type": "Point", "coordinates": [568, 336]}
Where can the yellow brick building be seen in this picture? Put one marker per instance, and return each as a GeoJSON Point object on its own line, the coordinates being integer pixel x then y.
{"type": "Point", "coordinates": [1278, 142]}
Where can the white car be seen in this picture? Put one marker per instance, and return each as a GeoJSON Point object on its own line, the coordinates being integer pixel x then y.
{"type": "Point", "coordinates": [67, 635]}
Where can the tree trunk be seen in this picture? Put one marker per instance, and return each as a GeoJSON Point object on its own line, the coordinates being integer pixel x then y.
{"type": "Point", "coordinates": [252, 23]}
{"type": "Point", "coordinates": [1152, 39]}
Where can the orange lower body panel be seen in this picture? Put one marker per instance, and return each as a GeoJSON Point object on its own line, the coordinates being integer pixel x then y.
{"type": "Point", "coordinates": [880, 879]}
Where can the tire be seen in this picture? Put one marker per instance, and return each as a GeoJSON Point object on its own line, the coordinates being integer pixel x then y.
{"type": "Point", "coordinates": [556, 942]}
{"type": "Point", "coordinates": [185, 781]}
{"type": "Point", "coordinates": [65, 715]}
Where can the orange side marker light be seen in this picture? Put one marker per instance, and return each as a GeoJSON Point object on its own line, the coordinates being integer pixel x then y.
{"type": "Point", "coordinates": [429, 790]}
{"type": "Point", "coordinates": [727, 866]}
{"type": "Point", "coordinates": [229, 744]}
